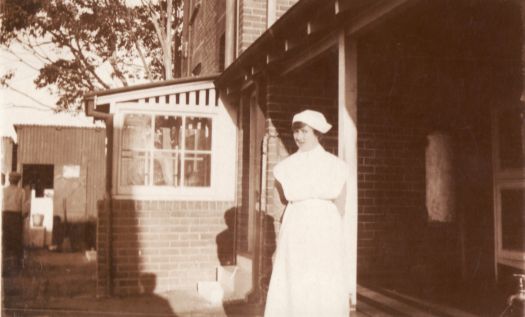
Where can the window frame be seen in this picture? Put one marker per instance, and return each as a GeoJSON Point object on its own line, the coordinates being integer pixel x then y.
{"type": "Point", "coordinates": [499, 171]}
{"type": "Point", "coordinates": [506, 256]}
{"type": "Point", "coordinates": [162, 192]}
{"type": "Point", "coordinates": [504, 178]}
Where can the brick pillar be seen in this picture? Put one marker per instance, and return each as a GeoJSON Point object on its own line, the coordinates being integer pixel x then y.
{"type": "Point", "coordinates": [103, 249]}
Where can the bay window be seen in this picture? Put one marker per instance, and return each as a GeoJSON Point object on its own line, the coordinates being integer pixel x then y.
{"type": "Point", "coordinates": [164, 153]}
{"type": "Point", "coordinates": [171, 141]}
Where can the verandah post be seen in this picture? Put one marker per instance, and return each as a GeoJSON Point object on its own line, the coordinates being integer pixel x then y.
{"type": "Point", "coordinates": [347, 146]}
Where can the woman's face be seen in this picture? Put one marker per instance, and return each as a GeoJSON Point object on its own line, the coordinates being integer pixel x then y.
{"type": "Point", "coordinates": [305, 138]}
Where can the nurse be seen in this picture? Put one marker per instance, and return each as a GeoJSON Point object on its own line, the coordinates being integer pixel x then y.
{"type": "Point", "coordinates": [309, 277]}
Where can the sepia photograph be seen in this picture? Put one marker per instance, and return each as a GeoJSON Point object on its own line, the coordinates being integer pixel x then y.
{"type": "Point", "coordinates": [262, 158]}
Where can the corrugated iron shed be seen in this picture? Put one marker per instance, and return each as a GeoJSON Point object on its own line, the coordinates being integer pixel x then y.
{"type": "Point", "coordinates": [60, 146]}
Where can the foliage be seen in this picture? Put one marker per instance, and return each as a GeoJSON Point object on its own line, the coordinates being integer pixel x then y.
{"type": "Point", "coordinates": [92, 44]}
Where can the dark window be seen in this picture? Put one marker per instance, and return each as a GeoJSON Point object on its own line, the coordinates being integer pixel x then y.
{"type": "Point", "coordinates": [38, 177]}
{"type": "Point", "coordinates": [513, 219]}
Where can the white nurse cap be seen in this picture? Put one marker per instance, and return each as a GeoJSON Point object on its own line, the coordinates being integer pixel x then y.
{"type": "Point", "coordinates": [314, 119]}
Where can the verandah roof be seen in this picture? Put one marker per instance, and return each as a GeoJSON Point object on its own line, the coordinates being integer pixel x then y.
{"type": "Point", "coordinates": [307, 24]}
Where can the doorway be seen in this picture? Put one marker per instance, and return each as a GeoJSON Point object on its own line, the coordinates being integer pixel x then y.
{"type": "Point", "coordinates": [38, 177]}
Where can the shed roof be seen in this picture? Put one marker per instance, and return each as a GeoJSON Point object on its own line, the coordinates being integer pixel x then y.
{"type": "Point", "coordinates": [13, 117]}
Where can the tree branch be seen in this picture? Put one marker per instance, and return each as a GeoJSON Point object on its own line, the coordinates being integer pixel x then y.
{"type": "Point", "coordinates": [10, 51]}
{"type": "Point", "coordinates": [29, 47]}
{"type": "Point", "coordinates": [117, 71]}
{"type": "Point", "coordinates": [80, 56]}
{"type": "Point", "coordinates": [169, 38]}
{"type": "Point", "coordinates": [144, 63]}
{"type": "Point", "coordinates": [162, 34]}
{"type": "Point", "coordinates": [28, 96]}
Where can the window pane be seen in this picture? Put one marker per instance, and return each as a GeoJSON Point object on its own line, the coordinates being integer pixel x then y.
{"type": "Point", "coordinates": [513, 219]}
{"type": "Point", "coordinates": [136, 132]}
{"type": "Point", "coordinates": [168, 132]}
{"type": "Point", "coordinates": [134, 166]}
{"type": "Point", "coordinates": [198, 133]}
{"type": "Point", "coordinates": [511, 135]}
{"type": "Point", "coordinates": [166, 169]}
{"type": "Point", "coordinates": [197, 170]}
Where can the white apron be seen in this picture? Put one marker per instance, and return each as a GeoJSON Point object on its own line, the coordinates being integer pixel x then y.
{"type": "Point", "coordinates": [309, 276]}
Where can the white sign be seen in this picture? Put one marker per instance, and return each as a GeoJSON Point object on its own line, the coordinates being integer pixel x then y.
{"type": "Point", "coordinates": [71, 171]}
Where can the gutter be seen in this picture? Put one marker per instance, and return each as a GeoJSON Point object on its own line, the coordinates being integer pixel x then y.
{"type": "Point", "coordinates": [90, 111]}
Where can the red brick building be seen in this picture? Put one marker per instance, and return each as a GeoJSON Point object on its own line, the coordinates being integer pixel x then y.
{"type": "Point", "coordinates": [427, 102]}
{"type": "Point", "coordinates": [425, 98]}
{"type": "Point", "coordinates": [203, 37]}
{"type": "Point", "coordinates": [170, 182]}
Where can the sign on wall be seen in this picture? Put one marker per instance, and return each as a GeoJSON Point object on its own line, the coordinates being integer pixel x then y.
{"type": "Point", "coordinates": [71, 171]}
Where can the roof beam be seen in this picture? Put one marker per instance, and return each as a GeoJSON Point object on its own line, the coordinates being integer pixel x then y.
{"type": "Point", "coordinates": [316, 25]}
{"type": "Point", "coordinates": [275, 52]}
{"type": "Point", "coordinates": [320, 47]}
{"type": "Point", "coordinates": [341, 6]}
{"type": "Point", "coordinates": [362, 22]}
{"type": "Point", "coordinates": [376, 14]}
{"type": "Point", "coordinates": [291, 43]}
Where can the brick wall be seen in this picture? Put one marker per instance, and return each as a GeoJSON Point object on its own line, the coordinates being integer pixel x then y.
{"type": "Point", "coordinates": [283, 6]}
{"type": "Point", "coordinates": [396, 244]}
{"type": "Point", "coordinates": [160, 245]}
{"type": "Point", "coordinates": [252, 22]}
{"type": "Point", "coordinates": [391, 190]}
{"type": "Point", "coordinates": [407, 91]}
{"type": "Point", "coordinates": [204, 32]}
{"type": "Point", "coordinates": [204, 36]}
{"type": "Point", "coordinates": [103, 249]}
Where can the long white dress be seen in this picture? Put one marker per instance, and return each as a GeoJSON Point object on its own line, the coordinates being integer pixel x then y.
{"type": "Point", "coordinates": [309, 276]}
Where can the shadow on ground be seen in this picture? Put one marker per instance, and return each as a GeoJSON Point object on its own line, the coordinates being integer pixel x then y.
{"type": "Point", "coordinates": [64, 284]}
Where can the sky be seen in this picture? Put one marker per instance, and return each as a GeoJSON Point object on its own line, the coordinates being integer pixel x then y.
{"type": "Point", "coordinates": [24, 92]}
{"type": "Point", "coordinates": [23, 101]}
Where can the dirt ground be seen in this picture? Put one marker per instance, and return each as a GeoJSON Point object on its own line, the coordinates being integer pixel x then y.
{"type": "Point", "coordinates": [64, 284]}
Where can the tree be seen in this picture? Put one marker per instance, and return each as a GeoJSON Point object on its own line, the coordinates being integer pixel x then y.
{"type": "Point", "coordinates": [92, 44]}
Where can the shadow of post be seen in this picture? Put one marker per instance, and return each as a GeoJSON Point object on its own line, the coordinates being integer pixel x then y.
{"type": "Point", "coordinates": [226, 239]}
{"type": "Point", "coordinates": [253, 302]}
{"type": "Point", "coordinates": [269, 245]}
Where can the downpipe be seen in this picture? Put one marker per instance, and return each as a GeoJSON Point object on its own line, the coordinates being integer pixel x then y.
{"type": "Point", "coordinates": [108, 199]}
{"type": "Point", "coordinates": [262, 213]}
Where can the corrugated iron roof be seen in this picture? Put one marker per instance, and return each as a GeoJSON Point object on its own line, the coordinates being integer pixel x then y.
{"type": "Point", "coordinates": [12, 117]}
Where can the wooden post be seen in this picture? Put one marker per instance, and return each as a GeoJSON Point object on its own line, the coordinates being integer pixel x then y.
{"type": "Point", "coordinates": [347, 149]}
